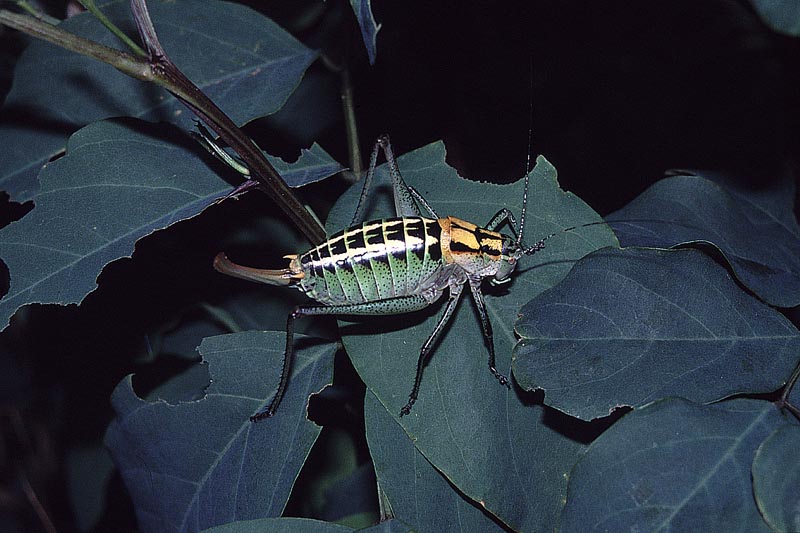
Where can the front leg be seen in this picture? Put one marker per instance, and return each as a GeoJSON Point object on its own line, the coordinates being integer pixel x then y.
{"type": "Point", "coordinates": [477, 295]}
{"type": "Point", "coordinates": [502, 216]}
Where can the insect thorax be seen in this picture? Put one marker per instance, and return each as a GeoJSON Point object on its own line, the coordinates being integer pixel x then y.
{"type": "Point", "coordinates": [475, 249]}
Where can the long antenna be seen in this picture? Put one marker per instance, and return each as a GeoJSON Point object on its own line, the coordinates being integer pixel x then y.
{"type": "Point", "coordinates": [528, 158]}
{"type": "Point", "coordinates": [610, 223]}
{"type": "Point", "coordinates": [530, 117]}
{"type": "Point", "coordinates": [539, 246]}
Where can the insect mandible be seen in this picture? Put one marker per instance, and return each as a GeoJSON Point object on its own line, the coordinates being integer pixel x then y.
{"type": "Point", "coordinates": [396, 265]}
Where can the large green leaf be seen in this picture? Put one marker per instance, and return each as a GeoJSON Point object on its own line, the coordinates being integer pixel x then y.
{"type": "Point", "coordinates": [755, 231]}
{"type": "Point", "coordinates": [117, 183]}
{"type": "Point", "coordinates": [783, 16]}
{"type": "Point", "coordinates": [490, 443]}
{"type": "Point", "coordinates": [776, 479]}
{"type": "Point", "coordinates": [627, 327]}
{"type": "Point", "coordinates": [246, 63]}
{"type": "Point", "coordinates": [416, 491]}
{"type": "Point", "coordinates": [672, 466]}
{"type": "Point", "coordinates": [197, 464]}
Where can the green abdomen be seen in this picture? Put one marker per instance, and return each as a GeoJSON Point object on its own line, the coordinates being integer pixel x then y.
{"type": "Point", "coordinates": [373, 261]}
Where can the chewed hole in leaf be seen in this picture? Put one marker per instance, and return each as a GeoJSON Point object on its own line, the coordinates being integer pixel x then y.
{"type": "Point", "coordinates": [172, 379]}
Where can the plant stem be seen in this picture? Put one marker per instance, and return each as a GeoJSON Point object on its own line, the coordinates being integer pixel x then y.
{"type": "Point", "coordinates": [122, 61]}
{"type": "Point", "coordinates": [92, 8]}
{"type": "Point", "coordinates": [187, 92]}
{"type": "Point", "coordinates": [24, 5]}
{"type": "Point", "coordinates": [159, 69]}
{"type": "Point", "coordinates": [353, 151]}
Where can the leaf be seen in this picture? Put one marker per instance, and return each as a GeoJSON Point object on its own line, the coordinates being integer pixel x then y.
{"type": "Point", "coordinates": [117, 184]}
{"type": "Point", "coordinates": [279, 525]}
{"type": "Point", "coordinates": [490, 444]}
{"type": "Point", "coordinates": [198, 464]}
{"type": "Point", "coordinates": [627, 327]}
{"type": "Point", "coordinates": [776, 479]}
{"type": "Point", "coordinates": [241, 306]}
{"type": "Point", "coordinates": [418, 494]}
{"type": "Point", "coordinates": [313, 109]}
{"type": "Point", "coordinates": [187, 383]}
{"type": "Point", "coordinates": [303, 525]}
{"type": "Point", "coordinates": [757, 233]}
{"type": "Point", "coordinates": [389, 526]}
{"type": "Point", "coordinates": [672, 466]}
{"type": "Point", "coordinates": [261, 308]}
{"type": "Point", "coordinates": [782, 16]}
{"type": "Point", "coordinates": [369, 29]}
{"type": "Point", "coordinates": [313, 165]}
{"type": "Point", "coordinates": [243, 61]}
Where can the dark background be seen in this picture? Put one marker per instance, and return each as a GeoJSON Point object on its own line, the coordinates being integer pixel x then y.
{"type": "Point", "coordinates": [612, 93]}
{"type": "Point", "coordinates": [620, 91]}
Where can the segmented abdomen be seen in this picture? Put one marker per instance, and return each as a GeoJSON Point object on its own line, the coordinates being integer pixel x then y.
{"type": "Point", "coordinates": [373, 261]}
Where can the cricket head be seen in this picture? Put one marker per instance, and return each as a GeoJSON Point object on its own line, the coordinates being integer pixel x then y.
{"type": "Point", "coordinates": [510, 254]}
{"type": "Point", "coordinates": [512, 251]}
